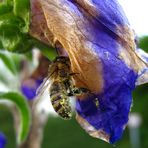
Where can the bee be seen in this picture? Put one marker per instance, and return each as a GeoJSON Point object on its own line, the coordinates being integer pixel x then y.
{"type": "Point", "coordinates": [61, 86]}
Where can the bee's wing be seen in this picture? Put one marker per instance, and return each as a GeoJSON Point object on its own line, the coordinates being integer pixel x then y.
{"type": "Point", "coordinates": [46, 81]}
{"type": "Point", "coordinates": [43, 86]}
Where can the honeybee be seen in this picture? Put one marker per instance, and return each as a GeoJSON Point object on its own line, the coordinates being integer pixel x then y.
{"type": "Point", "coordinates": [61, 86]}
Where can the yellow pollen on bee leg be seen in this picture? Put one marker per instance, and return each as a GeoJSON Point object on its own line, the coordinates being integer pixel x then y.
{"type": "Point", "coordinates": [96, 102]}
{"type": "Point", "coordinates": [62, 101]}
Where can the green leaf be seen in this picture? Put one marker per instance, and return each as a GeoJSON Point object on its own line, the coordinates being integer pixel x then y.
{"type": "Point", "coordinates": [19, 8]}
{"type": "Point", "coordinates": [17, 59]}
{"type": "Point", "coordinates": [4, 8]}
{"type": "Point", "coordinates": [14, 25]}
{"type": "Point", "coordinates": [3, 79]}
{"type": "Point", "coordinates": [24, 111]}
{"type": "Point", "coordinates": [11, 20]}
{"type": "Point", "coordinates": [13, 40]}
{"type": "Point", "coordinates": [22, 9]}
{"type": "Point", "coordinates": [1, 46]}
{"type": "Point", "coordinates": [9, 2]}
{"type": "Point", "coordinates": [8, 62]}
{"type": "Point", "coordinates": [46, 50]}
{"type": "Point", "coordinates": [143, 43]}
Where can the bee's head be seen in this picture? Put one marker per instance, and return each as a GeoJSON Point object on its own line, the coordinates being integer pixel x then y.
{"type": "Point", "coordinates": [62, 59]}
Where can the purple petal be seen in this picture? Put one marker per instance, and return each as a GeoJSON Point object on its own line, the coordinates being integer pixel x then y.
{"type": "Point", "coordinates": [2, 140]}
{"type": "Point", "coordinates": [29, 87]}
{"type": "Point", "coordinates": [109, 13]}
{"type": "Point", "coordinates": [119, 78]}
{"type": "Point", "coordinates": [111, 115]}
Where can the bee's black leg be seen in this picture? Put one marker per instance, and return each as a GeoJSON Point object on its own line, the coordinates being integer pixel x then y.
{"type": "Point", "coordinates": [79, 91]}
{"type": "Point", "coordinates": [73, 73]}
{"type": "Point", "coordinates": [70, 94]}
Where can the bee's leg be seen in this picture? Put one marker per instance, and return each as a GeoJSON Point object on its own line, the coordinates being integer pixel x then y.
{"type": "Point", "coordinates": [73, 73]}
{"type": "Point", "coordinates": [78, 91]}
{"type": "Point", "coordinates": [70, 94]}
{"type": "Point", "coordinates": [81, 90]}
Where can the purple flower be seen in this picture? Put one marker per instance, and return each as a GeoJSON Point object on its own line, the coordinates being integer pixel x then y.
{"type": "Point", "coordinates": [29, 87]}
{"type": "Point", "coordinates": [2, 140]}
{"type": "Point", "coordinates": [101, 46]}
{"type": "Point", "coordinates": [113, 44]}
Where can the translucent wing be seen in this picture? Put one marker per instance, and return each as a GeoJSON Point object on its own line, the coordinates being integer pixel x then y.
{"type": "Point", "coordinates": [43, 86]}
{"type": "Point", "coordinates": [46, 81]}
{"type": "Point", "coordinates": [40, 91]}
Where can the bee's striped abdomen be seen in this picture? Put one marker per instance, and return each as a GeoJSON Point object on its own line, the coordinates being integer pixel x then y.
{"type": "Point", "coordinates": [60, 100]}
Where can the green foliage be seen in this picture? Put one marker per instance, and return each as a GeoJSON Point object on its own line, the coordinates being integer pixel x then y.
{"type": "Point", "coordinates": [140, 104]}
{"type": "Point", "coordinates": [24, 111]}
{"type": "Point", "coordinates": [46, 51]}
{"type": "Point", "coordinates": [59, 133]}
{"type": "Point", "coordinates": [22, 10]}
{"type": "Point", "coordinates": [8, 62]}
{"type": "Point", "coordinates": [5, 8]}
{"type": "Point", "coordinates": [7, 126]}
{"type": "Point", "coordinates": [14, 27]}
{"type": "Point", "coordinates": [143, 43]}
{"type": "Point", "coordinates": [19, 8]}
